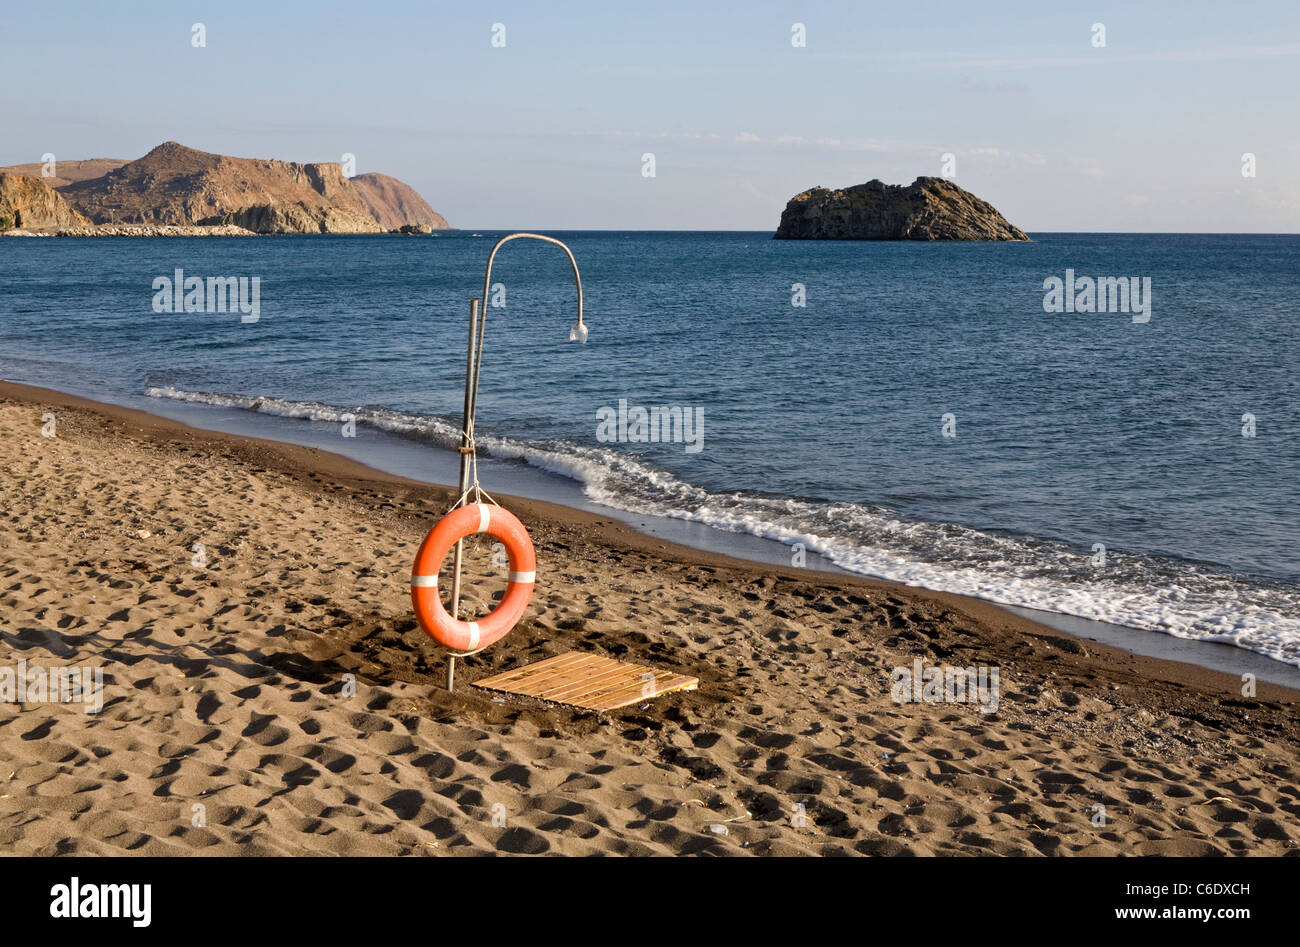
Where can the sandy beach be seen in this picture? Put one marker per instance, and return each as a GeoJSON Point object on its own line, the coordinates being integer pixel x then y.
{"type": "Point", "coordinates": [266, 690]}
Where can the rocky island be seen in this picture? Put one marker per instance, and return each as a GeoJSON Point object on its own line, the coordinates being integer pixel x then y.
{"type": "Point", "coordinates": [927, 209]}
{"type": "Point", "coordinates": [179, 191]}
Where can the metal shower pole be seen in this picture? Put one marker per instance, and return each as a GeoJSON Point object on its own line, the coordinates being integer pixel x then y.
{"type": "Point", "coordinates": [473, 364]}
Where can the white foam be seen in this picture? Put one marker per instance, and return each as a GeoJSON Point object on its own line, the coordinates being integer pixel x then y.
{"type": "Point", "coordinates": [1175, 598]}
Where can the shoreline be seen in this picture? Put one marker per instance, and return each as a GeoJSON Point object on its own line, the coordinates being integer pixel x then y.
{"type": "Point", "coordinates": [624, 534]}
{"type": "Point", "coordinates": [235, 673]}
{"type": "Point", "coordinates": [746, 548]}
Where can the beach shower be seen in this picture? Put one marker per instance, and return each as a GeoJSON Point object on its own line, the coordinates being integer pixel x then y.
{"type": "Point", "coordinates": [473, 365]}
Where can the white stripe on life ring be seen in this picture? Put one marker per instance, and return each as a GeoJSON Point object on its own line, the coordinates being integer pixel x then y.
{"type": "Point", "coordinates": [424, 581]}
{"type": "Point", "coordinates": [484, 517]}
{"type": "Point", "coordinates": [473, 636]}
{"type": "Point", "coordinates": [523, 577]}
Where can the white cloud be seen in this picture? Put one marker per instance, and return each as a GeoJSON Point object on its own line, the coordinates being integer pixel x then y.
{"type": "Point", "coordinates": [1106, 57]}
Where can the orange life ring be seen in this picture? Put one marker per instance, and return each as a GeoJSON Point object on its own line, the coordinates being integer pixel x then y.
{"type": "Point", "coordinates": [461, 522]}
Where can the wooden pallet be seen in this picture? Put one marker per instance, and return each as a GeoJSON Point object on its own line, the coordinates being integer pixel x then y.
{"type": "Point", "coordinates": [589, 681]}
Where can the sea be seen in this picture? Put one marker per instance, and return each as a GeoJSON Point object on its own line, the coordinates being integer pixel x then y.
{"type": "Point", "coordinates": [920, 412]}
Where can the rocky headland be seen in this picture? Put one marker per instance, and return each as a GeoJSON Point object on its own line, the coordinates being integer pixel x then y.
{"type": "Point", "coordinates": [180, 191]}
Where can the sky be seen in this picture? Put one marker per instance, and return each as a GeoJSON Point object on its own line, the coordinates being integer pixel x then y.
{"type": "Point", "coordinates": [549, 131]}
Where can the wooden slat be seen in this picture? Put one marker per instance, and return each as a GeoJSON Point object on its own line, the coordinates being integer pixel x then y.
{"type": "Point", "coordinates": [554, 676]}
{"type": "Point", "coordinates": [575, 670]}
{"type": "Point", "coordinates": [617, 678]}
{"type": "Point", "coordinates": [573, 679]}
{"type": "Point", "coordinates": [537, 676]}
{"type": "Point", "coordinates": [532, 675]}
{"type": "Point", "coordinates": [663, 684]}
{"type": "Point", "coordinates": [586, 680]}
{"type": "Point", "coordinates": [610, 673]}
{"type": "Point", "coordinates": [529, 670]}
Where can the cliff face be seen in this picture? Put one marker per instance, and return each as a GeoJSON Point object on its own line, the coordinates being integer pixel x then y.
{"type": "Point", "coordinates": [296, 218]}
{"type": "Point", "coordinates": [177, 185]}
{"type": "Point", "coordinates": [394, 204]}
{"type": "Point", "coordinates": [927, 209]}
{"type": "Point", "coordinates": [29, 203]}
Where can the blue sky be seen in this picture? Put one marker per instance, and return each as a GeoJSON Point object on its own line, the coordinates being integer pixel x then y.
{"type": "Point", "coordinates": [1145, 134]}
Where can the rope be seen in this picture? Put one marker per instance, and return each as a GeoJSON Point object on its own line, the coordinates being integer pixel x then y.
{"type": "Point", "coordinates": [467, 654]}
{"type": "Point", "coordinates": [471, 448]}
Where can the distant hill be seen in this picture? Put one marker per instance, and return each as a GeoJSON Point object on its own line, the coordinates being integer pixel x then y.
{"type": "Point", "coordinates": [173, 184]}
{"type": "Point", "coordinates": [66, 172]}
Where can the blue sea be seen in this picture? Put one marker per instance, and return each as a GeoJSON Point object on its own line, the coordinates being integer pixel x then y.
{"type": "Point", "coordinates": [920, 418]}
